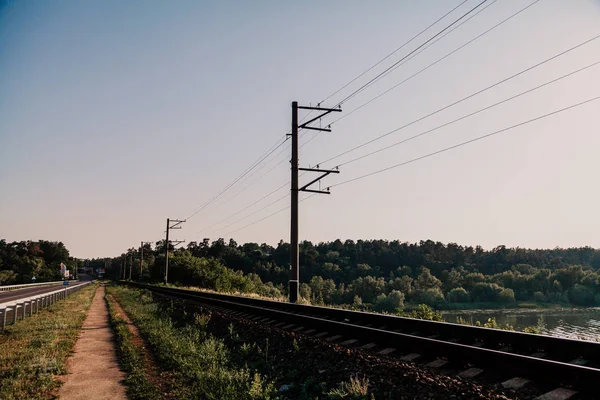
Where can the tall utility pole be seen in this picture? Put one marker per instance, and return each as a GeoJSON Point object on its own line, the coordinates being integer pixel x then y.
{"type": "Point", "coordinates": [142, 256]}
{"type": "Point", "coordinates": [176, 225]}
{"type": "Point", "coordinates": [294, 246]}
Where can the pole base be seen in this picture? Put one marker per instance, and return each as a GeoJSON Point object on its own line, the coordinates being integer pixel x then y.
{"type": "Point", "coordinates": [294, 285]}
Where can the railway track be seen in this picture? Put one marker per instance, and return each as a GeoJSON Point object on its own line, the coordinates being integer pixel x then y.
{"type": "Point", "coordinates": [561, 368]}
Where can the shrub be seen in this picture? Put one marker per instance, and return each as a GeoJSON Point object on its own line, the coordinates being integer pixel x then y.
{"type": "Point", "coordinates": [506, 296]}
{"type": "Point", "coordinates": [581, 295]}
{"type": "Point", "coordinates": [394, 302]}
{"type": "Point", "coordinates": [457, 295]}
{"type": "Point", "coordinates": [356, 389]}
{"type": "Point", "coordinates": [432, 297]}
{"type": "Point", "coordinates": [539, 296]}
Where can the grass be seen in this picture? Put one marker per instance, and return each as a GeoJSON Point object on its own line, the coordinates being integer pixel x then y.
{"type": "Point", "coordinates": [201, 364]}
{"type": "Point", "coordinates": [131, 357]}
{"type": "Point", "coordinates": [356, 389]}
{"type": "Point", "coordinates": [34, 351]}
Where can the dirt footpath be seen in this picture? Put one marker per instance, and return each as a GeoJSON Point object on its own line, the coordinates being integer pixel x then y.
{"type": "Point", "coordinates": [94, 371]}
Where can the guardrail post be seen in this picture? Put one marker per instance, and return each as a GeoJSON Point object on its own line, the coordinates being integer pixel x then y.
{"type": "Point", "coordinates": [4, 317]}
{"type": "Point", "coordinates": [31, 308]}
{"type": "Point", "coordinates": [16, 313]}
{"type": "Point", "coordinates": [24, 309]}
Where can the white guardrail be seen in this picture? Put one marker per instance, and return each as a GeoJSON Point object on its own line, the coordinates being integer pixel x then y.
{"type": "Point", "coordinates": [28, 285]}
{"type": "Point", "coordinates": [33, 303]}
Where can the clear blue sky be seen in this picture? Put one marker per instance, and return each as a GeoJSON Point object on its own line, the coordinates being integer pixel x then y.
{"type": "Point", "coordinates": [116, 115]}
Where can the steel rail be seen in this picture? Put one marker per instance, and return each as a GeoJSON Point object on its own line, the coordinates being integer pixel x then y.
{"type": "Point", "coordinates": [392, 332]}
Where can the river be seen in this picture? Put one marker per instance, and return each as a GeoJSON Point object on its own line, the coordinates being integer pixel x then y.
{"type": "Point", "coordinates": [573, 323]}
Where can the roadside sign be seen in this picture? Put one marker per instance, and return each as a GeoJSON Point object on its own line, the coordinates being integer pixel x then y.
{"type": "Point", "coordinates": [66, 283]}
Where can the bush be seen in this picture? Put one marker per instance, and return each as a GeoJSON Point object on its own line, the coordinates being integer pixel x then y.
{"type": "Point", "coordinates": [457, 295]}
{"type": "Point", "coordinates": [581, 295]}
{"type": "Point", "coordinates": [426, 312]}
{"type": "Point", "coordinates": [432, 297]}
{"type": "Point", "coordinates": [539, 296]}
{"type": "Point", "coordinates": [506, 296]}
{"type": "Point", "coordinates": [394, 302]}
{"type": "Point", "coordinates": [355, 389]}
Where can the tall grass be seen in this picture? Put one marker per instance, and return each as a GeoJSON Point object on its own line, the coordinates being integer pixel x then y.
{"type": "Point", "coordinates": [34, 351]}
{"type": "Point", "coordinates": [132, 360]}
{"type": "Point", "coordinates": [201, 364]}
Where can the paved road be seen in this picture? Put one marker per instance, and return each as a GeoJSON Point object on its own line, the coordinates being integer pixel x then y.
{"type": "Point", "coordinates": [12, 295]}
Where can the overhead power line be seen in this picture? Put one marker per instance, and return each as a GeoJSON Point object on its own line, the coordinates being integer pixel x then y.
{"type": "Point", "coordinates": [407, 60]}
{"type": "Point", "coordinates": [468, 141]}
{"type": "Point", "coordinates": [267, 217]}
{"type": "Point", "coordinates": [384, 72]}
{"type": "Point", "coordinates": [392, 53]}
{"type": "Point", "coordinates": [504, 80]}
{"type": "Point", "coordinates": [245, 208]}
{"type": "Point", "coordinates": [470, 114]}
{"type": "Point", "coordinates": [261, 159]}
{"type": "Point", "coordinates": [255, 212]}
{"type": "Point", "coordinates": [436, 62]}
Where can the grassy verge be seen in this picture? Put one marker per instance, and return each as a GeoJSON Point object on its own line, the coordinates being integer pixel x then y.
{"type": "Point", "coordinates": [132, 360]}
{"type": "Point", "coordinates": [34, 351]}
{"type": "Point", "coordinates": [201, 365]}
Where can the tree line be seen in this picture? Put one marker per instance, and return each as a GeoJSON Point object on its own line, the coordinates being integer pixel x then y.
{"type": "Point", "coordinates": [364, 274]}
{"type": "Point", "coordinates": [22, 261]}
{"type": "Point", "coordinates": [381, 275]}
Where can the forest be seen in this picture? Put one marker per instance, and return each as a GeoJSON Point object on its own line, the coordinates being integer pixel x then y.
{"type": "Point", "coordinates": [383, 275]}
{"type": "Point", "coordinates": [22, 261]}
{"type": "Point", "coordinates": [364, 274]}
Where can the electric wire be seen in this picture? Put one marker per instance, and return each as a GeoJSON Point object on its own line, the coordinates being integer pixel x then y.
{"type": "Point", "coordinates": [255, 212]}
{"type": "Point", "coordinates": [347, 114]}
{"type": "Point", "coordinates": [470, 114]}
{"type": "Point", "coordinates": [268, 216]}
{"type": "Point", "coordinates": [405, 61]}
{"type": "Point", "coordinates": [392, 53]}
{"type": "Point", "coordinates": [268, 153]}
{"type": "Point", "coordinates": [504, 80]}
{"type": "Point", "coordinates": [384, 72]}
{"type": "Point", "coordinates": [245, 208]}
{"type": "Point", "coordinates": [467, 142]}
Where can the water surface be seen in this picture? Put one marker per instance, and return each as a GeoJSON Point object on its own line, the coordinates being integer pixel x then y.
{"type": "Point", "coordinates": [573, 323]}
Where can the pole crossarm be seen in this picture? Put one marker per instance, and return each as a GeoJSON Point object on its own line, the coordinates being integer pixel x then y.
{"type": "Point", "coordinates": [327, 111]}
{"type": "Point", "coordinates": [325, 173]}
{"type": "Point", "coordinates": [317, 129]}
{"type": "Point", "coordinates": [176, 224]}
{"type": "Point", "coordinates": [176, 242]}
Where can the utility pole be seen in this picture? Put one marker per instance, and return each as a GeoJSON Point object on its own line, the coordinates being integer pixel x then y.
{"type": "Point", "coordinates": [130, 265]}
{"type": "Point", "coordinates": [176, 225]}
{"type": "Point", "coordinates": [294, 242]}
{"type": "Point", "coordinates": [142, 257]}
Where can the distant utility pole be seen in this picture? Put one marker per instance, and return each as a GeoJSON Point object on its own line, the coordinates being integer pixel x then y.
{"type": "Point", "coordinates": [176, 224]}
{"type": "Point", "coordinates": [123, 267]}
{"type": "Point", "coordinates": [130, 264]}
{"type": "Point", "coordinates": [294, 251]}
{"type": "Point", "coordinates": [142, 256]}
